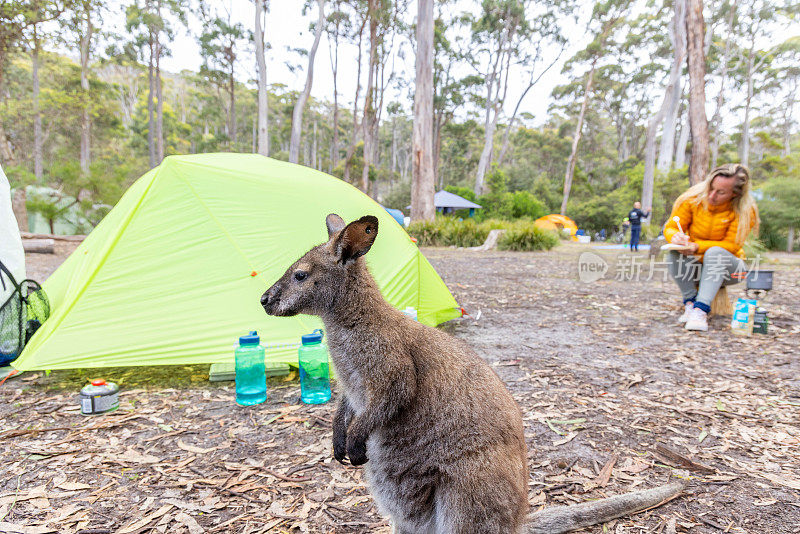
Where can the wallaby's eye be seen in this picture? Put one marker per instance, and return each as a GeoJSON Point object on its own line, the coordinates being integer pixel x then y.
{"type": "Point", "coordinates": [369, 230]}
{"type": "Point", "coordinates": [300, 275]}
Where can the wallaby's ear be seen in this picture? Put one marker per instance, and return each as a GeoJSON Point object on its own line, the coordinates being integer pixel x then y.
{"type": "Point", "coordinates": [334, 224]}
{"type": "Point", "coordinates": [357, 238]}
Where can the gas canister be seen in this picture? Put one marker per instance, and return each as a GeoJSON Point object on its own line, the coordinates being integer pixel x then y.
{"type": "Point", "coordinates": [99, 397]}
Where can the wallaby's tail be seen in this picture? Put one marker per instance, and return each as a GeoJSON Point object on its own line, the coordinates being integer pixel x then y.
{"type": "Point", "coordinates": [568, 518]}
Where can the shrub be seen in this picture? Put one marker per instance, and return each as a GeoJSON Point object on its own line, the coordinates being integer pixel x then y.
{"type": "Point", "coordinates": [524, 204]}
{"type": "Point", "coordinates": [449, 231]}
{"type": "Point", "coordinates": [427, 233]}
{"type": "Point", "coordinates": [526, 236]}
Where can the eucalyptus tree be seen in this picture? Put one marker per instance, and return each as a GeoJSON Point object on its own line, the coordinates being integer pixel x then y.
{"type": "Point", "coordinates": [16, 17]}
{"type": "Point", "coordinates": [297, 114]}
{"type": "Point", "coordinates": [220, 45]}
{"type": "Point", "coordinates": [85, 20]}
{"type": "Point", "coordinates": [538, 57]}
{"type": "Point", "coordinates": [385, 24]}
{"type": "Point", "coordinates": [789, 84]}
{"type": "Point", "coordinates": [42, 11]}
{"type": "Point", "coordinates": [148, 24]}
{"type": "Point", "coordinates": [261, 67]}
{"type": "Point", "coordinates": [451, 90]}
{"type": "Point", "coordinates": [727, 37]}
{"type": "Point", "coordinates": [607, 17]}
{"type": "Point", "coordinates": [360, 16]}
{"type": "Point", "coordinates": [338, 26]}
{"type": "Point", "coordinates": [696, 59]}
{"type": "Point", "coordinates": [422, 175]}
{"type": "Point", "coordinates": [758, 21]}
{"type": "Point", "coordinates": [667, 113]}
{"type": "Point", "coordinates": [674, 90]}
{"type": "Point", "coordinates": [498, 33]}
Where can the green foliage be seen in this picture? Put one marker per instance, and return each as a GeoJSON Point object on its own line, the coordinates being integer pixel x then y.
{"type": "Point", "coordinates": [463, 192]}
{"type": "Point", "coordinates": [525, 236]}
{"type": "Point", "coordinates": [449, 231]}
{"type": "Point", "coordinates": [754, 248]}
{"type": "Point", "coordinates": [781, 203]}
{"type": "Point", "coordinates": [779, 210]}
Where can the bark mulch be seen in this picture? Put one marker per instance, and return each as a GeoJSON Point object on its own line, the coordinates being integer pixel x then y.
{"type": "Point", "coordinates": [615, 395]}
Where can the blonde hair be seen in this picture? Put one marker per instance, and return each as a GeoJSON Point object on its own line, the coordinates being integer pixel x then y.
{"type": "Point", "coordinates": [743, 203]}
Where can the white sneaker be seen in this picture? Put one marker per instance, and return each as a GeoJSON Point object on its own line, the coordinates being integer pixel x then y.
{"type": "Point", "coordinates": [685, 317]}
{"type": "Point", "coordinates": [698, 320]}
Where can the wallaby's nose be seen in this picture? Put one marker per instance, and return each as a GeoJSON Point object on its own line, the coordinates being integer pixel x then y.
{"type": "Point", "coordinates": [265, 298]}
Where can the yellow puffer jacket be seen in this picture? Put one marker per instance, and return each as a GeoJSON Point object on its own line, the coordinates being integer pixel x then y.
{"type": "Point", "coordinates": [708, 226]}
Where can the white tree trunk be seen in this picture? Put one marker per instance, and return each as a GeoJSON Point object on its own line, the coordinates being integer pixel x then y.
{"type": "Point", "coordinates": [38, 142]}
{"type": "Point", "coordinates": [159, 107]}
{"type": "Point", "coordinates": [674, 92]}
{"type": "Point", "coordinates": [486, 153]}
{"type": "Point", "coordinates": [151, 117]}
{"type": "Point", "coordinates": [86, 39]}
{"type": "Point", "coordinates": [573, 156]}
{"type": "Point", "coordinates": [716, 119]}
{"type": "Point", "coordinates": [683, 141]}
{"type": "Point", "coordinates": [422, 181]}
{"type": "Point", "coordinates": [297, 114]}
{"type": "Point", "coordinates": [791, 97]}
{"type": "Point", "coordinates": [494, 103]}
{"type": "Point", "coordinates": [369, 117]}
{"type": "Point", "coordinates": [696, 60]}
{"type": "Point", "coordinates": [745, 155]}
{"type": "Point", "coordinates": [650, 155]}
{"type": "Point", "coordinates": [790, 240]}
{"type": "Point", "coordinates": [261, 66]}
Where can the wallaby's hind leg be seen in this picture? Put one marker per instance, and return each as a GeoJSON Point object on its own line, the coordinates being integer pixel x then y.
{"type": "Point", "coordinates": [405, 530]}
{"type": "Point", "coordinates": [461, 511]}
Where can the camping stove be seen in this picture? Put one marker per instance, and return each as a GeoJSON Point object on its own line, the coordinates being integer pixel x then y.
{"type": "Point", "coordinates": [759, 283]}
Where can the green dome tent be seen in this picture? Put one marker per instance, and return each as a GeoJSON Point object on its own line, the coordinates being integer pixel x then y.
{"type": "Point", "coordinates": [174, 273]}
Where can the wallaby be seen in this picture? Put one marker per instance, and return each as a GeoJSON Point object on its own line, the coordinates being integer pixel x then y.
{"type": "Point", "coordinates": [441, 436]}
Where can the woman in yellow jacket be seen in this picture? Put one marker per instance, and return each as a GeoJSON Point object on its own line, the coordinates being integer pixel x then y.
{"type": "Point", "coordinates": [715, 218]}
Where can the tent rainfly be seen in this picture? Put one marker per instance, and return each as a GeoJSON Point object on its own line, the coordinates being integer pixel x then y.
{"type": "Point", "coordinates": [557, 223]}
{"type": "Point", "coordinates": [173, 274]}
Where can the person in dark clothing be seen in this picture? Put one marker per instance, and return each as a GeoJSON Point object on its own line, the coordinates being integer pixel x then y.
{"type": "Point", "coordinates": [635, 217]}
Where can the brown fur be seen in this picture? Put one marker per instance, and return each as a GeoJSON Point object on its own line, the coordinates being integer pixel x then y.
{"type": "Point", "coordinates": [439, 434]}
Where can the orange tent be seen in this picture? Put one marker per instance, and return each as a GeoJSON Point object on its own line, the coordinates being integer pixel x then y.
{"type": "Point", "coordinates": [557, 223]}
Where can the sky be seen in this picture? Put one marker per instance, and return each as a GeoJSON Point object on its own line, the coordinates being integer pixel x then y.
{"type": "Point", "coordinates": [287, 28]}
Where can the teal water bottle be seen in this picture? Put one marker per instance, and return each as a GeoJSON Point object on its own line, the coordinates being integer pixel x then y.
{"type": "Point", "coordinates": [315, 380]}
{"type": "Point", "coordinates": [251, 380]}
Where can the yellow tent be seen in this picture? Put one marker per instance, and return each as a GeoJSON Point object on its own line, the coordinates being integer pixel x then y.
{"type": "Point", "coordinates": [557, 223]}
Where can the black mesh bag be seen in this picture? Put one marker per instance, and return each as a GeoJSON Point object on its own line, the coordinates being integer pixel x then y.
{"type": "Point", "coordinates": [23, 312]}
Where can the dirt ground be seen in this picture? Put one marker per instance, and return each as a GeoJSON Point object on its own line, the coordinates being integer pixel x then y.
{"type": "Point", "coordinates": [616, 396]}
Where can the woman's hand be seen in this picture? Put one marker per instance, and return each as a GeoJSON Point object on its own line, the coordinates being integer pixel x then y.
{"type": "Point", "coordinates": [680, 239]}
{"type": "Point", "coordinates": [693, 248]}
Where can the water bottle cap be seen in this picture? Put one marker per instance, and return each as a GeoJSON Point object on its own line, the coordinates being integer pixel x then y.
{"type": "Point", "coordinates": [314, 337]}
{"type": "Point", "coordinates": [98, 382]}
{"type": "Point", "coordinates": [250, 339]}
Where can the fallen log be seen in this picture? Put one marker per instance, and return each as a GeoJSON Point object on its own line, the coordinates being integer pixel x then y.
{"type": "Point", "coordinates": [73, 238]}
{"type": "Point", "coordinates": [561, 519]}
{"type": "Point", "coordinates": [40, 246]}
{"type": "Point", "coordinates": [491, 241]}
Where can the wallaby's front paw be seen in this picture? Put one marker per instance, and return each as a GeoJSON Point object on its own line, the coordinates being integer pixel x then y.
{"type": "Point", "coordinates": [340, 448]}
{"type": "Point", "coordinates": [357, 451]}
